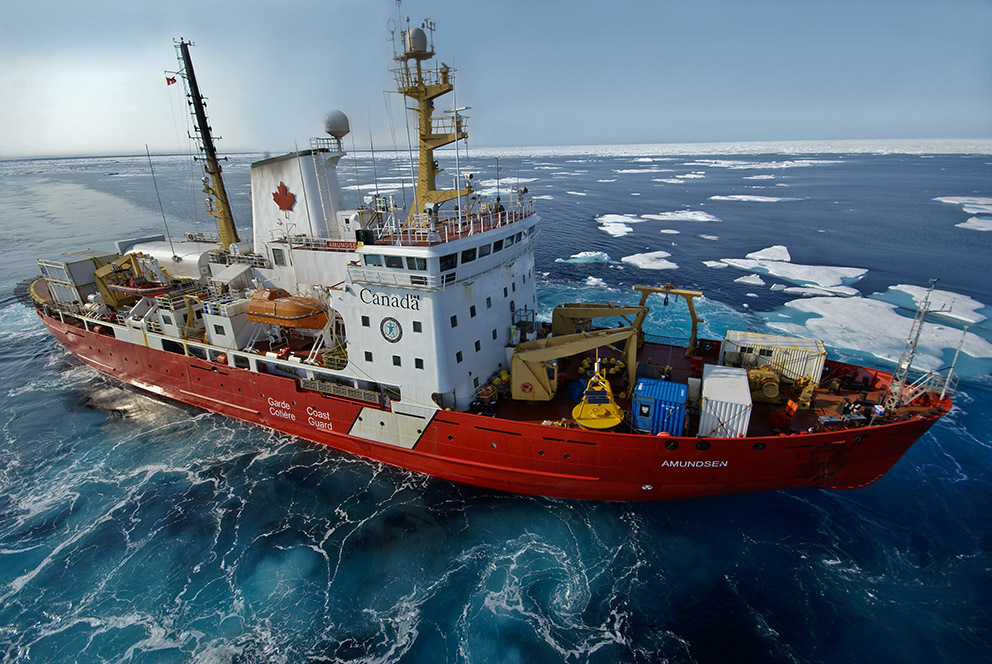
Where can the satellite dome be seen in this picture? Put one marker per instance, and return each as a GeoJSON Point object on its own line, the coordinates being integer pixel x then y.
{"type": "Point", "coordinates": [336, 124]}
{"type": "Point", "coordinates": [416, 41]}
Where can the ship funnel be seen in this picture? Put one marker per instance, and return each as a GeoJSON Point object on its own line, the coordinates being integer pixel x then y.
{"type": "Point", "coordinates": [416, 41]}
{"type": "Point", "coordinates": [336, 124]}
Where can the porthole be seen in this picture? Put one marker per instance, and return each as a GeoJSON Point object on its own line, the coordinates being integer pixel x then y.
{"type": "Point", "coordinates": [540, 453]}
{"type": "Point", "coordinates": [566, 455]}
{"type": "Point", "coordinates": [758, 446]}
{"type": "Point", "coordinates": [703, 445]}
{"type": "Point", "coordinates": [671, 444]}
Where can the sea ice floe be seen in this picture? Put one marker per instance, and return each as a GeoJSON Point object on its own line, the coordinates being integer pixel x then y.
{"type": "Point", "coordinates": [543, 197]}
{"type": "Point", "coordinates": [715, 264]}
{"type": "Point", "coordinates": [576, 193]}
{"type": "Point", "coordinates": [668, 180]}
{"type": "Point", "coordinates": [594, 281]}
{"type": "Point", "coordinates": [710, 237]}
{"type": "Point", "coordinates": [976, 224]}
{"type": "Point", "coordinates": [822, 276]}
{"type": "Point", "coordinates": [873, 326]}
{"type": "Point", "coordinates": [642, 170]}
{"type": "Point", "coordinates": [587, 257]}
{"type": "Point", "coordinates": [751, 280]}
{"type": "Point", "coordinates": [695, 175]}
{"type": "Point", "coordinates": [751, 199]}
{"type": "Point", "coordinates": [681, 215]}
{"type": "Point", "coordinates": [612, 218]}
{"type": "Point", "coordinates": [616, 229]}
{"type": "Point", "coordinates": [760, 177]}
{"type": "Point", "coordinates": [970, 204]}
{"type": "Point", "coordinates": [778, 252]}
{"type": "Point", "coordinates": [762, 165]}
{"type": "Point", "coordinates": [669, 231]}
{"type": "Point", "coordinates": [654, 260]}
{"type": "Point", "coordinates": [607, 180]}
{"type": "Point", "coordinates": [945, 304]}
{"type": "Point", "coordinates": [774, 261]}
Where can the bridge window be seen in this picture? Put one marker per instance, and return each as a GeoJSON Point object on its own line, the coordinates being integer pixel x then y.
{"type": "Point", "coordinates": [508, 242]}
{"type": "Point", "coordinates": [497, 246]}
{"type": "Point", "coordinates": [468, 255]}
{"type": "Point", "coordinates": [415, 263]}
{"type": "Point", "coordinates": [485, 250]}
{"type": "Point", "coordinates": [448, 262]}
{"type": "Point", "coordinates": [394, 261]}
{"type": "Point", "coordinates": [279, 257]}
{"type": "Point", "coordinates": [374, 260]}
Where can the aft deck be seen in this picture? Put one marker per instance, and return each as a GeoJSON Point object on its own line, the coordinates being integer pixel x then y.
{"type": "Point", "coordinates": [841, 386]}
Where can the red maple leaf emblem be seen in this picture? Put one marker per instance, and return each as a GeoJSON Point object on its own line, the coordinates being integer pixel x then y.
{"type": "Point", "coordinates": [283, 198]}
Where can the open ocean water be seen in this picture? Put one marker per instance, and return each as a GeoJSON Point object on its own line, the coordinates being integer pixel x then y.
{"type": "Point", "coordinates": [135, 530]}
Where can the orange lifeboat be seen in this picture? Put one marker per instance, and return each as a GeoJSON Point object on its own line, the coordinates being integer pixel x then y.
{"type": "Point", "coordinates": [275, 306]}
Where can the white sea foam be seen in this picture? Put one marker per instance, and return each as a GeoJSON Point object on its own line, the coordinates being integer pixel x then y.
{"type": "Point", "coordinates": [873, 326]}
{"type": "Point", "coordinates": [681, 215]}
{"type": "Point", "coordinates": [587, 257]}
{"type": "Point", "coordinates": [655, 260]}
{"type": "Point", "coordinates": [751, 199]}
{"type": "Point", "coordinates": [976, 224]}
{"type": "Point", "coordinates": [776, 252]}
{"type": "Point", "coordinates": [751, 280]}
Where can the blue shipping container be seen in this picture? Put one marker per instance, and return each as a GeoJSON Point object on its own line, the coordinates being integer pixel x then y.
{"type": "Point", "coordinates": [659, 405]}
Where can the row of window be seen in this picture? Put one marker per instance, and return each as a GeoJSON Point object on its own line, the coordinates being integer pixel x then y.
{"type": "Point", "coordinates": [401, 262]}
{"type": "Point", "coordinates": [445, 263]}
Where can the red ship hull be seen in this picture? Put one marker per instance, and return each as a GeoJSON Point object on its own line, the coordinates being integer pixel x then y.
{"type": "Point", "coordinates": [506, 455]}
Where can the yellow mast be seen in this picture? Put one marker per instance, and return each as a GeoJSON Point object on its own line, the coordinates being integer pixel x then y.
{"type": "Point", "coordinates": [424, 86]}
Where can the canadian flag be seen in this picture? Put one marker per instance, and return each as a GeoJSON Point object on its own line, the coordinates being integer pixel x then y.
{"type": "Point", "coordinates": [169, 80]}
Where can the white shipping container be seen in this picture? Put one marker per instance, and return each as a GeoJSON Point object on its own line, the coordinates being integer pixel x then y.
{"type": "Point", "coordinates": [791, 357]}
{"type": "Point", "coordinates": [725, 411]}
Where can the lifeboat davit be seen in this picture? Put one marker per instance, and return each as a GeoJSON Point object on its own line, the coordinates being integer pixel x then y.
{"type": "Point", "coordinates": [274, 306]}
{"type": "Point", "coordinates": [142, 287]}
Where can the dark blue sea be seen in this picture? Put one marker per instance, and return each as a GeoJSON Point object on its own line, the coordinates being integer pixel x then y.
{"type": "Point", "coordinates": [136, 530]}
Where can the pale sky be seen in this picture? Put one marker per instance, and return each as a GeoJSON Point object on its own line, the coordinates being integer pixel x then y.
{"type": "Point", "coordinates": [86, 77]}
